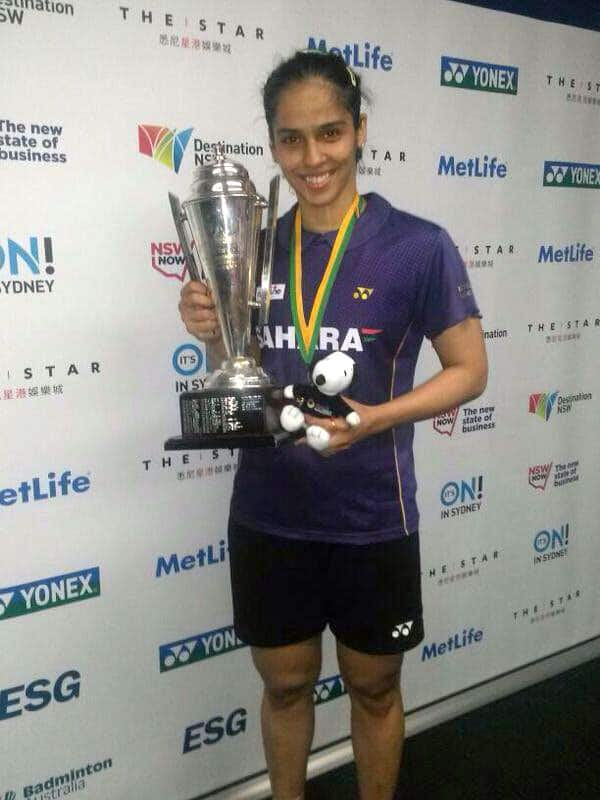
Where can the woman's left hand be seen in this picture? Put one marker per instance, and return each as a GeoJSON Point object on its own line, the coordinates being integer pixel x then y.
{"type": "Point", "coordinates": [342, 434]}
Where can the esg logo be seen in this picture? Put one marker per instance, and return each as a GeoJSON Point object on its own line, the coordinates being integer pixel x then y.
{"type": "Point", "coordinates": [40, 693]}
{"type": "Point", "coordinates": [214, 729]}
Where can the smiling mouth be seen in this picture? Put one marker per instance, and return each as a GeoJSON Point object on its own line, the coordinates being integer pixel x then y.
{"type": "Point", "coordinates": [317, 181]}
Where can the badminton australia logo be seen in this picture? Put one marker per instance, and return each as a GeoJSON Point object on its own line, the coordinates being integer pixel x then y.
{"type": "Point", "coordinates": [198, 648]}
{"type": "Point", "coordinates": [571, 175]}
{"type": "Point", "coordinates": [163, 144]}
{"type": "Point", "coordinates": [462, 73]}
{"type": "Point", "coordinates": [27, 598]}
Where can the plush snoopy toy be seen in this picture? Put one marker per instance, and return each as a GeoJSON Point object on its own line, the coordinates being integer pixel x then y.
{"type": "Point", "coordinates": [329, 377]}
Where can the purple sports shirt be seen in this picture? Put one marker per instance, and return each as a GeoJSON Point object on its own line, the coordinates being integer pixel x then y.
{"type": "Point", "coordinates": [401, 279]}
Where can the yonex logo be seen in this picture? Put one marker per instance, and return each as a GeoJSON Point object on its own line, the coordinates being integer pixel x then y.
{"type": "Point", "coordinates": [542, 404]}
{"type": "Point", "coordinates": [362, 293]}
{"type": "Point", "coordinates": [27, 598]}
{"type": "Point", "coordinates": [163, 144]}
{"type": "Point", "coordinates": [571, 175]}
{"type": "Point", "coordinates": [402, 630]}
{"type": "Point", "coordinates": [5, 599]}
{"type": "Point", "coordinates": [198, 648]}
{"type": "Point", "coordinates": [329, 689]}
{"type": "Point", "coordinates": [463, 73]}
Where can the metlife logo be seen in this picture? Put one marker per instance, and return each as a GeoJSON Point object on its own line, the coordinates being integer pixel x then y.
{"type": "Point", "coordinates": [456, 641]}
{"type": "Point", "coordinates": [571, 175]}
{"type": "Point", "coordinates": [462, 73]}
{"type": "Point", "coordinates": [570, 253]}
{"type": "Point", "coordinates": [361, 55]}
{"type": "Point", "coordinates": [206, 556]}
{"type": "Point", "coordinates": [477, 166]}
{"type": "Point", "coordinates": [37, 489]}
{"type": "Point", "coordinates": [46, 593]}
{"type": "Point", "coordinates": [183, 652]}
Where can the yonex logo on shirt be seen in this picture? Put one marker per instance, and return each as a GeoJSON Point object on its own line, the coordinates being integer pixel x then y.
{"type": "Point", "coordinates": [362, 293]}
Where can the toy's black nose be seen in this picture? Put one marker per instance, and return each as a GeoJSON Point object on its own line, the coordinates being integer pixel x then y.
{"type": "Point", "coordinates": [320, 380]}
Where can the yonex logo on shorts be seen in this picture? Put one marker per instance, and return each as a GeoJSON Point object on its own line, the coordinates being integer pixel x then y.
{"type": "Point", "coordinates": [403, 630]}
{"type": "Point", "coordinates": [362, 293]}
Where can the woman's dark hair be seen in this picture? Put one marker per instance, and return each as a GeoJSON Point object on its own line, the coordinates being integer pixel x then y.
{"type": "Point", "coordinates": [306, 64]}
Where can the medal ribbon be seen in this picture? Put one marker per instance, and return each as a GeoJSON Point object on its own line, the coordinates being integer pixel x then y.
{"type": "Point", "coordinates": [308, 332]}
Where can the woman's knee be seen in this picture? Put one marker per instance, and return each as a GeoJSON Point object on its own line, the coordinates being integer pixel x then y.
{"type": "Point", "coordinates": [289, 673]}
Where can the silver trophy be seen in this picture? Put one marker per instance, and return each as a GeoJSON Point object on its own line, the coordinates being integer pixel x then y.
{"type": "Point", "coordinates": [219, 228]}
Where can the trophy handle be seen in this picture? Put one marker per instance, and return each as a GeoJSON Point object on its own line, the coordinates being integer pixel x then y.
{"type": "Point", "coordinates": [269, 248]}
{"type": "Point", "coordinates": [191, 259]}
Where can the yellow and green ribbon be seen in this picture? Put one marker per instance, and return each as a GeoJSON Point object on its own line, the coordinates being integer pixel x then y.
{"type": "Point", "coordinates": [307, 333]}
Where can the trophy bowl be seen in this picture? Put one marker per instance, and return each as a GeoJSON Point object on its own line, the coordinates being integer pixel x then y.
{"type": "Point", "coordinates": [219, 228]}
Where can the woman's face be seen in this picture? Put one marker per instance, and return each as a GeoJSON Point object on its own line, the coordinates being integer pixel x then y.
{"type": "Point", "coordinates": [315, 142]}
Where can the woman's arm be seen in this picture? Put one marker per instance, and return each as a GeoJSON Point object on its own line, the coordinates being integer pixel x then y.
{"type": "Point", "coordinates": [463, 377]}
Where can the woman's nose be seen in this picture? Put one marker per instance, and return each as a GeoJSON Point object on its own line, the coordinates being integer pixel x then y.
{"type": "Point", "coordinates": [312, 153]}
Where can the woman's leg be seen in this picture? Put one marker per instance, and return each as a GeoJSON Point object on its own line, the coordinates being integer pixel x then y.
{"type": "Point", "coordinates": [289, 674]}
{"type": "Point", "coordinates": [377, 719]}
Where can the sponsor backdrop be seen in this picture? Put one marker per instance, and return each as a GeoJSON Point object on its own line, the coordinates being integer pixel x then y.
{"type": "Point", "coordinates": [120, 673]}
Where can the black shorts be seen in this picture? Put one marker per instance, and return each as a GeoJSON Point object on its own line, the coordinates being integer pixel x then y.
{"type": "Point", "coordinates": [288, 590]}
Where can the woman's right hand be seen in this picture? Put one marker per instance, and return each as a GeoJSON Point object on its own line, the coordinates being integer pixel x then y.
{"type": "Point", "coordinates": [198, 312]}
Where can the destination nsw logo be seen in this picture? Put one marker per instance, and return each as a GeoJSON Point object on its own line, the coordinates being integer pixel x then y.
{"type": "Point", "coordinates": [45, 488]}
{"type": "Point", "coordinates": [543, 403]}
{"type": "Point", "coordinates": [571, 175]}
{"type": "Point", "coordinates": [456, 641]}
{"type": "Point", "coordinates": [462, 73]}
{"type": "Point", "coordinates": [16, 9]}
{"type": "Point", "coordinates": [184, 652]}
{"type": "Point", "coordinates": [163, 144]}
{"type": "Point", "coordinates": [361, 55]}
{"type": "Point", "coordinates": [472, 167]}
{"type": "Point", "coordinates": [550, 544]}
{"type": "Point", "coordinates": [24, 262]}
{"type": "Point", "coordinates": [40, 595]}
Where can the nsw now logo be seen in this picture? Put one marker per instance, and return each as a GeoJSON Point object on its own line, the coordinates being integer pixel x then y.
{"type": "Point", "coordinates": [462, 73]}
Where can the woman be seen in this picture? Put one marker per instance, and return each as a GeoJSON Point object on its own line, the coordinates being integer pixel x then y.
{"type": "Point", "coordinates": [331, 538]}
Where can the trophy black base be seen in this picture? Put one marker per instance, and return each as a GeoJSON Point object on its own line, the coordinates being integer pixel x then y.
{"type": "Point", "coordinates": [228, 419]}
{"type": "Point", "coordinates": [226, 441]}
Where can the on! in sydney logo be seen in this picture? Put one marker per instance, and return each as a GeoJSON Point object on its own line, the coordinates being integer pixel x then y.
{"type": "Point", "coordinates": [163, 144]}
{"type": "Point", "coordinates": [571, 175]}
{"type": "Point", "coordinates": [27, 265]}
{"type": "Point", "coordinates": [27, 598]}
{"type": "Point", "coordinates": [462, 73]}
